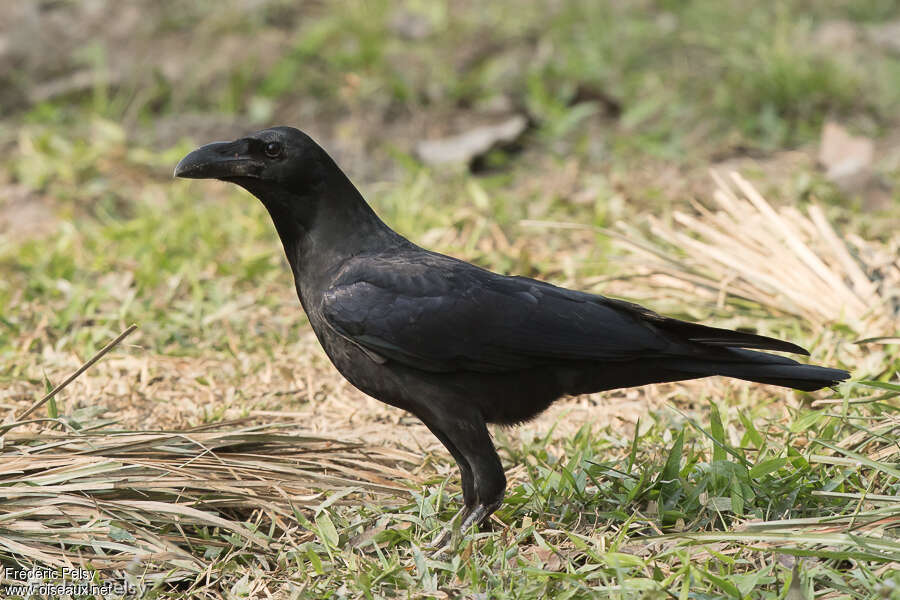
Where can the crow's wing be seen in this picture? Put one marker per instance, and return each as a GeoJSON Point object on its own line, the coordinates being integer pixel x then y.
{"type": "Point", "coordinates": [436, 313]}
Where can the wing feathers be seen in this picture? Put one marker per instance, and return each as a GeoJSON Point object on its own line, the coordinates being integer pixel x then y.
{"type": "Point", "coordinates": [713, 336]}
{"type": "Point", "coordinates": [439, 314]}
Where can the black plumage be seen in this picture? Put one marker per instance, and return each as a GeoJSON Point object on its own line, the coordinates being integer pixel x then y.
{"type": "Point", "coordinates": [454, 344]}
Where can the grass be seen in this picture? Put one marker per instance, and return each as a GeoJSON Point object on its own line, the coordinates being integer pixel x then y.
{"type": "Point", "coordinates": [676, 509]}
{"type": "Point", "coordinates": [693, 490]}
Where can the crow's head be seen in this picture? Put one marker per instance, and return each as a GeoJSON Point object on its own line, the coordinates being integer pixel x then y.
{"type": "Point", "coordinates": [312, 203]}
{"type": "Point", "coordinates": [281, 157]}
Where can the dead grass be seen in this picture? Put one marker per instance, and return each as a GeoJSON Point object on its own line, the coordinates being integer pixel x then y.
{"type": "Point", "coordinates": [141, 500]}
{"type": "Point", "coordinates": [787, 261]}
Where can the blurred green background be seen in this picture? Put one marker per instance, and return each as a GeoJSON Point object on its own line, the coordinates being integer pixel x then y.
{"type": "Point", "coordinates": [627, 106]}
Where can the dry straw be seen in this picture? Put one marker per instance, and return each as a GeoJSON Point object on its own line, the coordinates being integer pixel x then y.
{"type": "Point", "coordinates": [140, 499]}
{"type": "Point", "coordinates": [146, 501]}
{"type": "Point", "coordinates": [789, 262]}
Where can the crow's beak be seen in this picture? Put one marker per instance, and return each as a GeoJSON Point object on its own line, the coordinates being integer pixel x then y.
{"type": "Point", "coordinates": [219, 160]}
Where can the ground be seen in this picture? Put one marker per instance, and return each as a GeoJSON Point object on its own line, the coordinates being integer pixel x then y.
{"type": "Point", "coordinates": [703, 489]}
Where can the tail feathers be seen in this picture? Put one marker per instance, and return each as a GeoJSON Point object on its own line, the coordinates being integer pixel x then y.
{"type": "Point", "coordinates": [764, 368]}
{"type": "Point", "coordinates": [808, 378]}
{"type": "Point", "coordinates": [714, 336]}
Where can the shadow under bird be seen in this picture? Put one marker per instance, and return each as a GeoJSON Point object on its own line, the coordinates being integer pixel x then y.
{"type": "Point", "coordinates": [454, 344]}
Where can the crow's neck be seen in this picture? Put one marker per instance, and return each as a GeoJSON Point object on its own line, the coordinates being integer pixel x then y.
{"type": "Point", "coordinates": [323, 226]}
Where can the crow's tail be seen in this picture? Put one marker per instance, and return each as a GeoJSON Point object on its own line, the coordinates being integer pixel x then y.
{"type": "Point", "coordinates": [761, 368]}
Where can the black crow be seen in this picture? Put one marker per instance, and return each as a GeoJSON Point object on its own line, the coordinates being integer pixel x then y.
{"type": "Point", "coordinates": [454, 344]}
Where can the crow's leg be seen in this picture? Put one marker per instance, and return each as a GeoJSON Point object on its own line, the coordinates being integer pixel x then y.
{"type": "Point", "coordinates": [468, 488]}
{"type": "Point", "coordinates": [465, 434]}
{"type": "Point", "coordinates": [487, 471]}
{"type": "Point", "coordinates": [465, 471]}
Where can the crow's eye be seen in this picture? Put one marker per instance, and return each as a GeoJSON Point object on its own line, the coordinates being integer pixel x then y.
{"type": "Point", "coordinates": [273, 149]}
